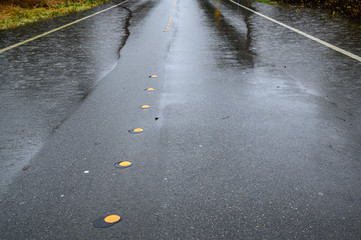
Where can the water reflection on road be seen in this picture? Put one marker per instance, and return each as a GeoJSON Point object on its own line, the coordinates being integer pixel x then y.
{"type": "Point", "coordinates": [42, 82]}
{"type": "Point", "coordinates": [236, 35]}
{"type": "Point", "coordinates": [289, 72]}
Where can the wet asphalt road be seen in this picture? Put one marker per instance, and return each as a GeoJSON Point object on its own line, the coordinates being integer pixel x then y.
{"type": "Point", "coordinates": [41, 84]}
{"type": "Point", "coordinates": [253, 130]}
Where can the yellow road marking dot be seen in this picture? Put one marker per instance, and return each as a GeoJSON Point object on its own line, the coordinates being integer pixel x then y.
{"type": "Point", "coordinates": [124, 164]}
{"type": "Point", "coordinates": [145, 106]}
{"type": "Point", "coordinates": [107, 221]}
{"type": "Point", "coordinates": [165, 30]}
{"type": "Point", "coordinates": [154, 76]}
{"type": "Point", "coordinates": [136, 131]}
{"type": "Point", "coordinates": [149, 89]}
{"type": "Point", "coordinates": [112, 219]}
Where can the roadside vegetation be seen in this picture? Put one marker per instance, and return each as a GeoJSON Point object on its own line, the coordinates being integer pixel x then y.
{"type": "Point", "coordinates": [345, 8]}
{"type": "Point", "coordinates": [14, 13]}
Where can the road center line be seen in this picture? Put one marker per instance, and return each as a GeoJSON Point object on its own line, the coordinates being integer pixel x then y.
{"type": "Point", "coordinates": [59, 28]}
{"type": "Point", "coordinates": [351, 55]}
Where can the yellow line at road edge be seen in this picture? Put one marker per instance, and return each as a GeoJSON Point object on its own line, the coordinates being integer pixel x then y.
{"type": "Point", "coordinates": [57, 29]}
{"type": "Point", "coordinates": [351, 55]}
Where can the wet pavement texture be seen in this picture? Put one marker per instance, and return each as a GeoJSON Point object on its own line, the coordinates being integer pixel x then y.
{"type": "Point", "coordinates": [43, 82]}
{"type": "Point", "coordinates": [253, 133]}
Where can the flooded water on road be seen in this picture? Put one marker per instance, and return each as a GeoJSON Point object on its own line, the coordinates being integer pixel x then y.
{"type": "Point", "coordinates": [43, 81]}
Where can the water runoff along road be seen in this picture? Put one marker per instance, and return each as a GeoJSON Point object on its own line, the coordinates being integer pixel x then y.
{"type": "Point", "coordinates": [240, 120]}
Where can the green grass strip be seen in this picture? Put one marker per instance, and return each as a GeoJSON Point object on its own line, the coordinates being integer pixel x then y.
{"type": "Point", "coordinates": [13, 16]}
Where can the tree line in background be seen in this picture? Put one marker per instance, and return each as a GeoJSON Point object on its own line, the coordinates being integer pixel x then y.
{"type": "Point", "coordinates": [347, 8]}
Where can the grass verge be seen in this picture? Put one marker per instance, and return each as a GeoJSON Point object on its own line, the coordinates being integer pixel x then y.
{"type": "Point", "coordinates": [268, 1]}
{"type": "Point", "coordinates": [350, 9]}
{"type": "Point", "coordinates": [13, 15]}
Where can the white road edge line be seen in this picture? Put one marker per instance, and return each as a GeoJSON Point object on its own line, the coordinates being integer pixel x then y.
{"type": "Point", "coordinates": [351, 55]}
{"type": "Point", "coordinates": [59, 28]}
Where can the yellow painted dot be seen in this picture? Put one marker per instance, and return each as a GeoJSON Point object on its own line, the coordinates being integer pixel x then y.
{"type": "Point", "coordinates": [125, 164]}
{"type": "Point", "coordinates": [150, 89]}
{"type": "Point", "coordinates": [137, 130]}
{"type": "Point", "coordinates": [145, 106]}
{"type": "Point", "coordinates": [112, 219]}
{"type": "Point", "coordinates": [154, 76]}
{"type": "Point", "coordinates": [165, 30]}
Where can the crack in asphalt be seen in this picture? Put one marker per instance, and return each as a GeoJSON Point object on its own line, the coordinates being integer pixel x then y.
{"type": "Point", "coordinates": [127, 31]}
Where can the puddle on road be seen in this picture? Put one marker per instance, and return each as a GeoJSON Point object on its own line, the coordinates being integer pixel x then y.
{"type": "Point", "coordinates": [43, 81]}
